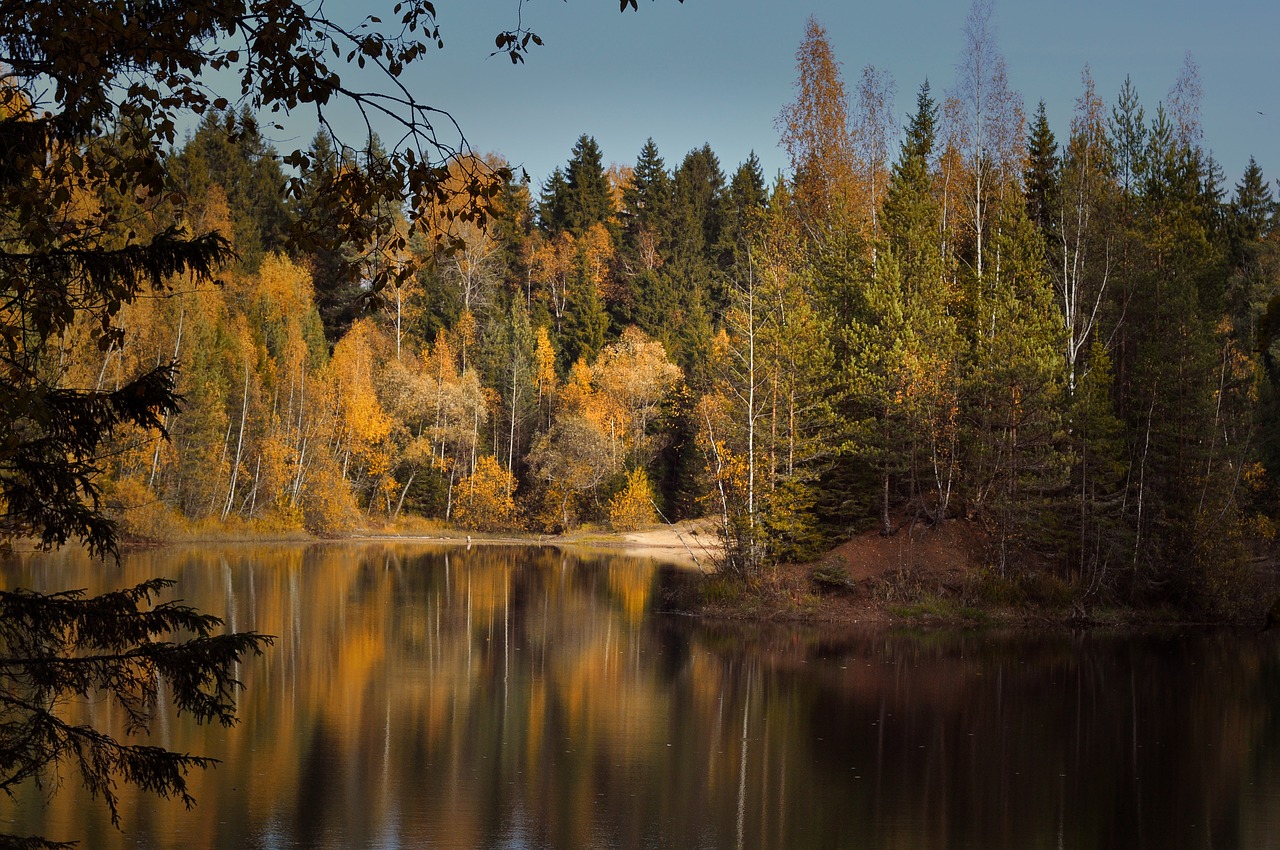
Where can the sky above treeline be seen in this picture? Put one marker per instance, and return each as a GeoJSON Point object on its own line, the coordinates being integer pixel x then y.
{"type": "Point", "coordinates": [719, 71]}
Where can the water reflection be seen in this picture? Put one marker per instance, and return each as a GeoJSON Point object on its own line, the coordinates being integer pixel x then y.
{"type": "Point", "coordinates": [504, 697]}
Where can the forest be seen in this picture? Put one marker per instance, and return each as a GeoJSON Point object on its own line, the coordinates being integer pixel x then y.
{"type": "Point", "coordinates": [1071, 343]}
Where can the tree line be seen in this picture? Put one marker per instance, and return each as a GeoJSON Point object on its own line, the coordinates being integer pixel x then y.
{"type": "Point", "coordinates": [1069, 343]}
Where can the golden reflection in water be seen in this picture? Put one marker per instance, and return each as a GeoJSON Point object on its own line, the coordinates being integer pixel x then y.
{"type": "Point", "coordinates": [512, 697]}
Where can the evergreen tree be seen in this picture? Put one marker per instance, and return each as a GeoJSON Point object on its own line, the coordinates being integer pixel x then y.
{"type": "Point", "coordinates": [553, 214]}
{"type": "Point", "coordinates": [646, 199]}
{"type": "Point", "coordinates": [697, 223]}
{"type": "Point", "coordinates": [587, 197]}
{"type": "Point", "coordinates": [586, 322]}
{"type": "Point", "coordinates": [917, 271]}
{"type": "Point", "coordinates": [1095, 536]}
{"type": "Point", "coordinates": [745, 197]}
{"type": "Point", "coordinates": [1011, 399]}
{"type": "Point", "coordinates": [912, 215]}
{"type": "Point", "coordinates": [337, 295]}
{"type": "Point", "coordinates": [1041, 177]}
{"type": "Point", "coordinates": [1252, 209]}
{"type": "Point", "coordinates": [1181, 417]}
{"type": "Point", "coordinates": [699, 206]}
{"type": "Point", "coordinates": [229, 150]}
{"type": "Point", "coordinates": [649, 300]}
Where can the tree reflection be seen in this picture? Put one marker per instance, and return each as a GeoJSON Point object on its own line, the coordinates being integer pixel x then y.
{"type": "Point", "coordinates": [504, 696]}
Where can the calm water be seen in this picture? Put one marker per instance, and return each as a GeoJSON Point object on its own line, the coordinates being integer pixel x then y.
{"type": "Point", "coordinates": [521, 698]}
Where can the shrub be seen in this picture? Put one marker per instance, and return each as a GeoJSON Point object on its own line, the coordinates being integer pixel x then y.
{"type": "Point", "coordinates": [632, 507]}
{"type": "Point", "coordinates": [484, 498]}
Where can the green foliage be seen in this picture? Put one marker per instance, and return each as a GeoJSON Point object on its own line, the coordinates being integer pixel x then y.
{"type": "Point", "coordinates": [58, 646]}
{"type": "Point", "coordinates": [587, 199]}
{"type": "Point", "coordinates": [1041, 178]}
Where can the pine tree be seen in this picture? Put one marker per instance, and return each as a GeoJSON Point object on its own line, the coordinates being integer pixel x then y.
{"type": "Point", "coordinates": [1128, 129]}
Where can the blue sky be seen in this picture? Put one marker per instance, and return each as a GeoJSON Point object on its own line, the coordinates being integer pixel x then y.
{"type": "Point", "coordinates": [718, 71]}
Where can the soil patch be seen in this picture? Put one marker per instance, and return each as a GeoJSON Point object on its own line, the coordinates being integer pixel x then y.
{"type": "Point", "coordinates": [940, 553]}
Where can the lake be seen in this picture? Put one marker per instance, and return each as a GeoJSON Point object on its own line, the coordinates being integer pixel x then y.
{"type": "Point", "coordinates": [510, 697]}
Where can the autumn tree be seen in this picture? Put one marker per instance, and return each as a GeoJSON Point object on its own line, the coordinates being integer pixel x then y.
{"type": "Point", "coordinates": [631, 508]}
{"type": "Point", "coordinates": [873, 134]}
{"type": "Point", "coordinates": [816, 133]}
{"type": "Point", "coordinates": [1084, 218]}
{"type": "Point", "coordinates": [992, 134]}
{"type": "Point", "coordinates": [484, 497]}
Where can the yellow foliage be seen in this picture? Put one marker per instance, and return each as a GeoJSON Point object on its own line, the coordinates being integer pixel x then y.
{"type": "Point", "coordinates": [139, 512]}
{"type": "Point", "coordinates": [632, 507]}
{"type": "Point", "coordinates": [285, 288]}
{"type": "Point", "coordinates": [544, 359]}
{"type": "Point", "coordinates": [328, 504]}
{"type": "Point", "coordinates": [484, 497]}
{"type": "Point", "coordinates": [367, 424]}
{"type": "Point", "coordinates": [578, 391]}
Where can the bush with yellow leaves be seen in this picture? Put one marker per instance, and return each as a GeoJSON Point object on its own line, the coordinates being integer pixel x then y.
{"type": "Point", "coordinates": [632, 507]}
{"type": "Point", "coordinates": [484, 498]}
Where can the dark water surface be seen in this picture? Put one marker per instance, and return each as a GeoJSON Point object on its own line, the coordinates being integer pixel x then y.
{"type": "Point", "coordinates": [505, 697]}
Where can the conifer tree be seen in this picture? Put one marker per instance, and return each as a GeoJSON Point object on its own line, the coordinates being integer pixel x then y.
{"type": "Point", "coordinates": [1041, 178]}
{"type": "Point", "coordinates": [587, 197]}
{"type": "Point", "coordinates": [552, 204]}
{"type": "Point", "coordinates": [1253, 210]}
{"type": "Point", "coordinates": [337, 296]}
{"type": "Point", "coordinates": [1093, 516]}
{"type": "Point", "coordinates": [912, 224]}
{"type": "Point", "coordinates": [586, 320]}
{"type": "Point", "coordinates": [228, 149]}
{"type": "Point", "coordinates": [1128, 130]}
{"type": "Point", "coordinates": [647, 199]}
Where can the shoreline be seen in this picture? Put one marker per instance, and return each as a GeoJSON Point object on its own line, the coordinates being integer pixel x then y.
{"type": "Point", "coordinates": [918, 579]}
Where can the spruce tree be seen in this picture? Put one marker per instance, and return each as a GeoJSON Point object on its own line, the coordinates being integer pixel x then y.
{"type": "Point", "coordinates": [586, 322]}
{"type": "Point", "coordinates": [229, 150]}
{"type": "Point", "coordinates": [1252, 209]}
{"type": "Point", "coordinates": [697, 222]}
{"type": "Point", "coordinates": [337, 295]}
{"type": "Point", "coordinates": [647, 207]}
{"type": "Point", "coordinates": [587, 198]}
{"type": "Point", "coordinates": [647, 199]}
{"type": "Point", "coordinates": [1041, 178]}
{"type": "Point", "coordinates": [552, 204]}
